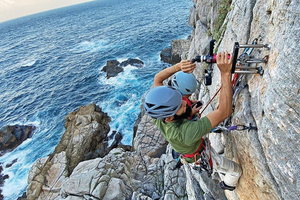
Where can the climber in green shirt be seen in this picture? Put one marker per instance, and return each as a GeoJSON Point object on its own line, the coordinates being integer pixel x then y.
{"type": "Point", "coordinates": [188, 142]}
{"type": "Point", "coordinates": [165, 105]}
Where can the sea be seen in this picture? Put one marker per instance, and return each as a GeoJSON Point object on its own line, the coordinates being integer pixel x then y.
{"type": "Point", "coordinates": [50, 65]}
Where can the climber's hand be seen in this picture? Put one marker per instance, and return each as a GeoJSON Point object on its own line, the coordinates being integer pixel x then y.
{"type": "Point", "coordinates": [187, 66]}
{"type": "Point", "coordinates": [195, 109]}
{"type": "Point", "coordinates": [224, 63]}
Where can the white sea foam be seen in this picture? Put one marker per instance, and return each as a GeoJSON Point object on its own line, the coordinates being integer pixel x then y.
{"type": "Point", "coordinates": [28, 62]}
{"type": "Point", "coordinates": [92, 46]}
{"type": "Point", "coordinates": [127, 108]}
{"type": "Point", "coordinates": [18, 169]}
{"type": "Point", "coordinates": [13, 184]}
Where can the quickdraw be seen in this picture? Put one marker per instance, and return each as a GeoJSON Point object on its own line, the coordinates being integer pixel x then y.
{"type": "Point", "coordinates": [227, 129]}
{"type": "Point", "coordinates": [241, 128]}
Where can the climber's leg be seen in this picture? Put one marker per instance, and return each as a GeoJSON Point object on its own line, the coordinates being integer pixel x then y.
{"type": "Point", "coordinates": [230, 170]}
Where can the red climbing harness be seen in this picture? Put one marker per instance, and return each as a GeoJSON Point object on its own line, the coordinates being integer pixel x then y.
{"type": "Point", "coordinates": [202, 156]}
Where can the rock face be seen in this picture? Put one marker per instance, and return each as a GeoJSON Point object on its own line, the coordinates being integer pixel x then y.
{"type": "Point", "coordinates": [179, 49]}
{"type": "Point", "coordinates": [14, 135]}
{"type": "Point", "coordinates": [122, 175]}
{"type": "Point", "coordinates": [270, 156]}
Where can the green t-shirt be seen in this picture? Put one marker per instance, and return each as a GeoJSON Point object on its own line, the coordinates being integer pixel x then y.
{"type": "Point", "coordinates": [186, 137]}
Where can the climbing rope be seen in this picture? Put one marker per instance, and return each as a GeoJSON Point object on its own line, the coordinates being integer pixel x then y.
{"type": "Point", "coordinates": [199, 115]}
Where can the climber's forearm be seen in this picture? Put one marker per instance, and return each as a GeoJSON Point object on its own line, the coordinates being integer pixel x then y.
{"type": "Point", "coordinates": [225, 99]}
{"type": "Point", "coordinates": [165, 74]}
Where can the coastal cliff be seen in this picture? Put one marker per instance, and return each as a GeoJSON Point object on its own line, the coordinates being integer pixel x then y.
{"type": "Point", "coordinates": [84, 167]}
{"type": "Point", "coordinates": [269, 156]}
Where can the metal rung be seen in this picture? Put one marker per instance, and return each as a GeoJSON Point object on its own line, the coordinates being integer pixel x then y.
{"type": "Point", "coordinates": [259, 71]}
{"type": "Point", "coordinates": [247, 68]}
{"type": "Point", "coordinates": [256, 61]}
{"type": "Point", "coordinates": [246, 72]}
{"type": "Point", "coordinates": [254, 46]}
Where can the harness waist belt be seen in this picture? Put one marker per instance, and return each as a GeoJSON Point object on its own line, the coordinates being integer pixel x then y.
{"type": "Point", "coordinates": [200, 149]}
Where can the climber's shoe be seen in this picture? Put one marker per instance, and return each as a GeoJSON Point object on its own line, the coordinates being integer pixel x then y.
{"type": "Point", "coordinates": [223, 186]}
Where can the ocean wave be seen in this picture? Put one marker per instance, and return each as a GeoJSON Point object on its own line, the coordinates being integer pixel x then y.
{"type": "Point", "coordinates": [92, 46]}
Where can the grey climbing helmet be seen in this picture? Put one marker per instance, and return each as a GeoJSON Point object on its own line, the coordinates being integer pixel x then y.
{"type": "Point", "coordinates": [184, 82]}
{"type": "Point", "coordinates": [162, 101]}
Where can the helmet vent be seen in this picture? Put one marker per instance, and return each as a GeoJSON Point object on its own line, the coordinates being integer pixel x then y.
{"type": "Point", "coordinates": [150, 105]}
{"type": "Point", "coordinates": [175, 82]}
{"type": "Point", "coordinates": [162, 107]}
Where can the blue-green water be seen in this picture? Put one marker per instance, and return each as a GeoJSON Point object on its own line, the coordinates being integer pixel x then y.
{"type": "Point", "coordinates": [51, 63]}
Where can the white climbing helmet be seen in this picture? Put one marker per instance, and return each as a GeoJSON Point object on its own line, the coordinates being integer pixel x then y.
{"type": "Point", "coordinates": [184, 82]}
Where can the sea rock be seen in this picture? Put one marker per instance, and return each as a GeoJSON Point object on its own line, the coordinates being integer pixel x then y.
{"type": "Point", "coordinates": [13, 135]}
{"type": "Point", "coordinates": [134, 62]}
{"type": "Point", "coordinates": [114, 67]}
{"type": "Point", "coordinates": [11, 164]}
{"type": "Point", "coordinates": [165, 55]}
{"type": "Point", "coordinates": [2, 180]}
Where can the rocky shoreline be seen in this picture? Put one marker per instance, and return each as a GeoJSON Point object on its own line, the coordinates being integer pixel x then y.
{"type": "Point", "coordinates": [143, 172]}
{"type": "Point", "coordinates": [83, 167]}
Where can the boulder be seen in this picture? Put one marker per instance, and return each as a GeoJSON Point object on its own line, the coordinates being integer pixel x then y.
{"type": "Point", "coordinates": [13, 135]}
